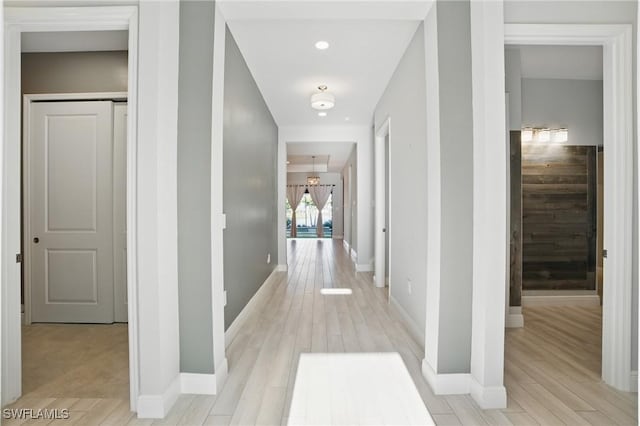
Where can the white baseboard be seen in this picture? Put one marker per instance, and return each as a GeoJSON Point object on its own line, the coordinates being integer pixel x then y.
{"type": "Point", "coordinates": [561, 300]}
{"type": "Point", "coordinates": [222, 371]}
{"type": "Point", "coordinates": [634, 381]}
{"type": "Point", "coordinates": [488, 397]}
{"type": "Point", "coordinates": [157, 406]}
{"type": "Point", "coordinates": [346, 246]}
{"type": "Point", "coordinates": [514, 318]}
{"type": "Point", "coordinates": [203, 384]}
{"type": "Point", "coordinates": [446, 384]}
{"type": "Point", "coordinates": [282, 268]}
{"type": "Point", "coordinates": [354, 256]}
{"type": "Point", "coordinates": [237, 323]}
{"type": "Point", "coordinates": [414, 329]}
{"type": "Point", "coordinates": [364, 267]}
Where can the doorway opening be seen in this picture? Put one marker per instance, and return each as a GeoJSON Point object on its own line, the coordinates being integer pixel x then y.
{"type": "Point", "coordinates": [66, 157]}
{"type": "Point", "coordinates": [554, 139]}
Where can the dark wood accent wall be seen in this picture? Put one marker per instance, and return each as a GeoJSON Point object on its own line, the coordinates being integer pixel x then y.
{"type": "Point", "coordinates": [515, 255]}
{"type": "Point", "coordinates": [558, 217]}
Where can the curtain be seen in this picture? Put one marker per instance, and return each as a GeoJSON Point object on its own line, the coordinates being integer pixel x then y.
{"type": "Point", "coordinates": [294, 195]}
{"type": "Point", "coordinates": [320, 196]}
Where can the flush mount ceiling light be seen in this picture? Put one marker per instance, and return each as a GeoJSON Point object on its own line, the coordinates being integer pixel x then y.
{"type": "Point", "coordinates": [313, 179]}
{"type": "Point", "coordinates": [323, 100]}
{"type": "Point", "coordinates": [322, 45]}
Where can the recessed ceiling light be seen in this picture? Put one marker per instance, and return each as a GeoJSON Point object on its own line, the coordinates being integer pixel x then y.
{"type": "Point", "coordinates": [322, 45]}
{"type": "Point", "coordinates": [347, 118]}
{"type": "Point", "coordinates": [322, 114]}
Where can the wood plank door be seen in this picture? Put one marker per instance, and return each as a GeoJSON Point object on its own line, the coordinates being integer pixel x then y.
{"type": "Point", "coordinates": [70, 169]}
{"type": "Point", "coordinates": [120, 210]}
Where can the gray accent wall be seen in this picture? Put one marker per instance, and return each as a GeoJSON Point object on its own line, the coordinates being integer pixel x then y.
{"type": "Point", "coordinates": [456, 163]}
{"type": "Point", "coordinates": [404, 102]}
{"type": "Point", "coordinates": [250, 176]}
{"type": "Point", "coordinates": [74, 72]}
{"type": "Point", "coordinates": [194, 186]}
{"type": "Point", "coordinates": [575, 104]}
{"type": "Point", "coordinates": [597, 12]}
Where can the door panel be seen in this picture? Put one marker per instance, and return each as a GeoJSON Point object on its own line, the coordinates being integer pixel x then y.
{"type": "Point", "coordinates": [71, 205]}
{"type": "Point", "coordinates": [120, 210]}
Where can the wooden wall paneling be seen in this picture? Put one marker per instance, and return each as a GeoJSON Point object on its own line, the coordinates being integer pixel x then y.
{"type": "Point", "coordinates": [599, 222]}
{"type": "Point", "coordinates": [515, 281]}
{"type": "Point", "coordinates": [592, 211]}
{"type": "Point", "coordinates": [558, 217]}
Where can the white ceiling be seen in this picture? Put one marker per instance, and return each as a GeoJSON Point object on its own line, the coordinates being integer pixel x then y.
{"type": "Point", "coordinates": [357, 66]}
{"type": "Point", "coordinates": [75, 41]}
{"type": "Point", "coordinates": [561, 62]}
{"type": "Point", "coordinates": [330, 156]}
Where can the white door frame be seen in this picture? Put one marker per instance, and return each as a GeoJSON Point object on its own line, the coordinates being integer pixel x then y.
{"type": "Point", "coordinates": [38, 19]}
{"type": "Point", "coordinates": [28, 100]}
{"type": "Point", "coordinates": [380, 156]}
{"type": "Point", "coordinates": [616, 41]}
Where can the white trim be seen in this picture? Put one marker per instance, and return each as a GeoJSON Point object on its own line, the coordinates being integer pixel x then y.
{"type": "Point", "coordinates": [36, 19]}
{"type": "Point", "coordinates": [490, 158]}
{"type": "Point", "coordinates": [221, 372]}
{"type": "Point", "coordinates": [202, 384]}
{"type": "Point", "coordinates": [364, 267]}
{"type": "Point", "coordinates": [250, 308]}
{"type": "Point", "coordinates": [434, 188]}
{"type": "Point", "coordinates": [380, 159]}
{"type": "Point", "coordinates": [282, 268]}
{"type": "Point", "coordinates": [514, 317]}
{"type": "Point", "coordinates": [157, 406]}
{"type": "Point", "coordinates": [487, 397]}
{"type": "Point", "coordinates": [446, 384]}
{"type": "Point", "coordinates": [346, 246]}
{"type": "Point", "coordinates": [354, 256]}
{"type": "Point", "coordinates": [561, 300]}
{"type": "Point", "coordinates": [616, 41]}
{"type": "Point", "coordinates": [27, 102]}
{"type": "Point", "coordinates": [218, 217]}
{"type": "Point", "coordinates": [414, 329]}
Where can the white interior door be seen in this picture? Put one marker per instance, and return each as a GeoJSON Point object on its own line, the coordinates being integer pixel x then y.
{"type": "Point", "coordinates": [70, 166]}
{"type": "Point", "coordinates": [120, 210]}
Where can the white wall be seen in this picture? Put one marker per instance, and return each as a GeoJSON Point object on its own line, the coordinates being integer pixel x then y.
{"type": "Point", "coordinates": [363, 137]}
{"type": "Point", "coordinates": [513, 82]}
{"type": "Point", "coordinates": [404, 102]}
{"type": "Point", "coordinates": [575, 104]}
{"type": "Point", "coordinates": [350, 179]}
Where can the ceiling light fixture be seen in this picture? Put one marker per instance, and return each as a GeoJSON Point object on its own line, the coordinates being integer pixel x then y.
{"type": "Point", "coordinates": [323, 100]}
{"type": "Point", "coordinates": [313, 179]}
{"type": "Point", "coordinates": [322, 114]}
{"type": "Point", "coordinates": [322, 45]}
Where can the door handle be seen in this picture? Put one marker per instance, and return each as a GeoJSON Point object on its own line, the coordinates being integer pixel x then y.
{"type": "Point", "coordinates": [384, 229]}
{"type": "Point", "coordinates": [36, 240]}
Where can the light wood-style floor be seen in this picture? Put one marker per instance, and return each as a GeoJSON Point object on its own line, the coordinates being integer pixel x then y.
{"type": "Point", "coordinates": [551, 366]}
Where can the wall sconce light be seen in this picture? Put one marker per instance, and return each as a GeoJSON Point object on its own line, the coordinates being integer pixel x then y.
{"type": "Point", "coordinates": [560, 135]}
{"type": "Point", "coordinates": [544, 135]}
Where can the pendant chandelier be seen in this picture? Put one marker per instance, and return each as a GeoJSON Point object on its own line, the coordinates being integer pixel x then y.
{"type": "Point", "coordinates": [313, 179]}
